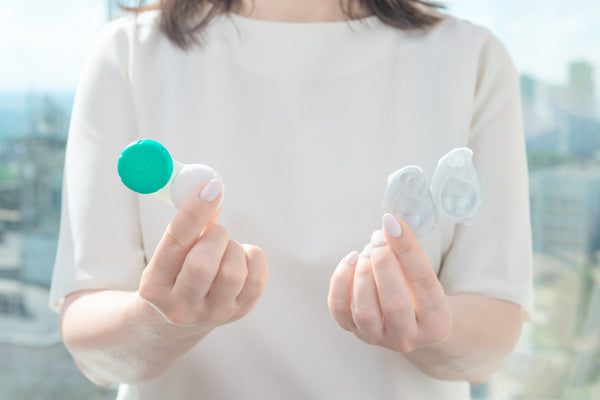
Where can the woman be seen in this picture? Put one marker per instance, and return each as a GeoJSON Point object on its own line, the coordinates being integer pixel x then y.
{"type": "Point", "coordinates": [304, 114]}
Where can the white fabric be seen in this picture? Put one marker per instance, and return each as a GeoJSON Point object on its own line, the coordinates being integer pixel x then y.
{"type": "Point", "coordinates": [304, 122]}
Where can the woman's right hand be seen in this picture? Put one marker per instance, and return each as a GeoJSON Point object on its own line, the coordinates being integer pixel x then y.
{"type": "Point", "coordinates": [198, 277]}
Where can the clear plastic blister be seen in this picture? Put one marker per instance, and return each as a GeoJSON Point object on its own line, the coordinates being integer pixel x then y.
{"type": "Point", "coordinates": [408, 197]}
{"type": "Point", "coordinates": [455, 187]}
{"type": "Point", "coordinates": [455, 194]}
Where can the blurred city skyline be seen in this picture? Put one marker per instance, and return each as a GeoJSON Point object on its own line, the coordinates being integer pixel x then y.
{"type": "Point", "coordinates": [48, 44]}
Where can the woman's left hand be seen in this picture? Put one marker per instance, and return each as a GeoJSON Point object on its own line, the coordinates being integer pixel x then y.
{"type": "Point", "coordinates": [389, 295]}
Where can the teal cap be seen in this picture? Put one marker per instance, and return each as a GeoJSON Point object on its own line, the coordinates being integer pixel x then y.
{"type": "Point", "coordinates": [145, 166]}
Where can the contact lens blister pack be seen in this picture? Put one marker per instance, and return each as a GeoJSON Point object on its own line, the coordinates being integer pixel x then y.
{"type": "Point", "coordinates": [455, 187]}
{"type": "Point", "coordinates": [408, 197]}
{"type": "Point", "coordinates": [455, 193]}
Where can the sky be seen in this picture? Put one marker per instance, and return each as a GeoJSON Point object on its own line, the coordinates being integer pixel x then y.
{"type": "Point", "coordinates": [44, 43]}
{"type": "Point", "coordinates": [542, 36]}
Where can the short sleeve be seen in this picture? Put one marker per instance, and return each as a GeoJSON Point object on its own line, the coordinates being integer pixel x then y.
{"type": "Point", "coordinates": [493, 255]}
{"type": "Point", "coordinates": [99, 244]}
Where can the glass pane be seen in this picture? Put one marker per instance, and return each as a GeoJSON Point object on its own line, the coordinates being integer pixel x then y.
{"type": "Point", "coordinates": [554, 44]}
{"type": "Point", "coordinates": [47, 46]}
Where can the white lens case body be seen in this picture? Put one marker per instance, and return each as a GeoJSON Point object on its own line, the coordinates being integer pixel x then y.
{"type": "Point", "coordinates": [190, 178]}
{"type": "Point", "coordinates": [186, 178]}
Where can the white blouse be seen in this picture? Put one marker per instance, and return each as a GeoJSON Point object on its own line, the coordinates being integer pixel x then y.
{"type": "Point", "coordinates": [304, 121]}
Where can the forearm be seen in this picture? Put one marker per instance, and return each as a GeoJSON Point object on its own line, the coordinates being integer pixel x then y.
{"type": "Point", "coordinates": [484, 332]}
{"type": "Point", "coordinates": [116, 337]}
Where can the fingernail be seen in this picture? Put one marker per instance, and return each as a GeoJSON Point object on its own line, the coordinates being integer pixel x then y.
{"type": "Point", "coordinates": [211, 190]}
{"type": "Point", "coordinates": [392, 226]}
{"type": "Point", "coordinates": [351, 258]}
{"type": "Point", "coordinates": [366, 251]}
{"type": "Point", "coordinates": [377, 239]}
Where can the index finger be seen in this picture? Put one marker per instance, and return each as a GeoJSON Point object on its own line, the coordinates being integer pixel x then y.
{"type": "Point", "coordinates": [422, 281]}
{"type": "Point", "coordinates": [184, 230]}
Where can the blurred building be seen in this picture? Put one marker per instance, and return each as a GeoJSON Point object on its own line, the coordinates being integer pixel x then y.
{"type": "Point", "coordinates": [562, 120]}
{"type": "Point", "coordinates": [543, 114]}
{"type": "Point", "coordinates": [565, 211]}
{"type": "Point", "coordinates": [583, 135]}
{"type": "Point", "coordinates": [40, 165]}
{"type": "Point", "coordinates": [30, 192]}
{"type": "Point", "coordinates": [582, 89]}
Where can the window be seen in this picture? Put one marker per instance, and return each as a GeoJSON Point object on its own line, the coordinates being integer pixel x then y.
{"type": "Point", "coordinates": [554, 46]}
{"type": "Point", "coordinates": [46, 50]}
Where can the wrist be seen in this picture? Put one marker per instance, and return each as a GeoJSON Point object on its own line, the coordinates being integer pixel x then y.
{"type": "Point", "coordinates": [157, 320]}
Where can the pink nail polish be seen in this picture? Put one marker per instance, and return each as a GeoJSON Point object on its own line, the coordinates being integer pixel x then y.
{"type": "Point", "coordinates": [378, 239]}
{"type": "Point", "coordinates": [211, 190]}
{"type": "Point", "coordinates": [351, 258]}
{"type": "Point", "coordinates": [392, 226]}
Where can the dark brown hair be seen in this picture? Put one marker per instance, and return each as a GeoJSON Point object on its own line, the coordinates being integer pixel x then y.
{"type": "Point", "coordinates": [177, 15]}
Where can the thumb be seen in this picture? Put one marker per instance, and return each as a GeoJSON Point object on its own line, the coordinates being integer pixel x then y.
{"type": "Point", "coordinates": [185, 229]}
{"type": "Point", "coordinates": [215, 218]}
{"type": "Point", "coordinates": [400, 237]}
{"type": "Point", "coordinates": [397, 230]}
{"type": "Point", "coordinates": [198, 210]}
{"type": "Point", "coordinates": [418, 272]}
